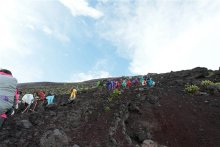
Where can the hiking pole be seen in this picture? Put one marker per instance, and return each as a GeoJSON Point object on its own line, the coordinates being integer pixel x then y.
{"type": "Point", "coordinates": [34, 106]}
{"type": "Point", "coordinates": [25, 109]}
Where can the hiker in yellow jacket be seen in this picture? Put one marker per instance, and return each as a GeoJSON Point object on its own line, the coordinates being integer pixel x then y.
{"type": "Point", "coordinates": [73, 94]}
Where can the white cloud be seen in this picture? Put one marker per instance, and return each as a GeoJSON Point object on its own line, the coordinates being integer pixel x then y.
{"type": "Point", "coordinates": [79, 77]}
{"type": "Point", "coordinates": [47, 30]}
{"type": "Point", "coordinates": [103, 1]}
{"type": "Point", "coordinates": [101, 64]}
{"type": "Point", "coordinates": [20, 25]}
{"type": "Point", "coordinates": [12, 46]}
{"type": "Point", "coordinates": [99, 70]}
{"type": "Point", "coordinates": [25, 73]}
{"type": "Point", "coordinates": [159, 36]}
{"type": "Point", "coordinates": [81, 7]}
{"type": "Point", "coordinates": [58, 35]}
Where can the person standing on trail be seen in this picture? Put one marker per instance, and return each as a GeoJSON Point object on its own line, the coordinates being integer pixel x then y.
{"type": "Point", "coordinates": [135, 82]}
{"type": "Point", "coordinates": [124, 83]}
{"type": "Point", "coordinates": [128, 83]}
{"type": "Point", "coordinates": [144, 82]}
{"type": "Point", "coordinates": [112, 84]}
{"type": "Point", "coordinates": [27, 100]}
{"type": "Point", "coordinates": [50, 98]}
{"type": "Point", "coordinates": [116, 84]}
{"type": "Point", "coordinates": [8, 86]}
{"type": "Point", "coordinates": [39, 98]}
{"type": "Point", "coordinates": [119, 84]}
{"type": "Point", "coordinates": [141, 80]}
{"type": "Point", "coordinates": [73, 94]}
{"type": "Point", "coordinates": [150, 82]}
{"type": "Point", "coordinates": [98, 84]}
{"type": "Point", "coordinates": [17, 95]}
{"type": "Point", "coordinates": [109, 85]}
{"type": "Point", "coordinates": [41, 95]}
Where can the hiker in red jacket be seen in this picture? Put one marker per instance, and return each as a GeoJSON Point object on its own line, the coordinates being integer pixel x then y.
{"type": "Point", "coordinates": [40, 97]}
{"type": "Point", "coordinates": [118, 84]}
{"type": "Point", "coordinates": [128, 84]}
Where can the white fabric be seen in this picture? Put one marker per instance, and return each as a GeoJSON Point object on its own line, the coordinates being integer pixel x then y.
{"type": "Point", "coordinates": [13, 112]}
{"type": "Point", "coordinates": [28, 98]}
{"type": "Point", "coordinates": [153, 83]}
{"type": "Point", "coordinates": [16, 106]}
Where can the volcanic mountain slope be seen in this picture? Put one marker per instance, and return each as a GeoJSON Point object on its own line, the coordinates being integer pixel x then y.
{"type": "Point", "coordinates": [164, 115]}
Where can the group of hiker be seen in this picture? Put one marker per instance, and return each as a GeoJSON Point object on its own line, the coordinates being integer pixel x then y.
{"type": "Point", "coordinates": [9, 94]}
{"type": "Point", "coordinates": [38, 97]}
{"type": "Point", "coordinates": [126, 83]}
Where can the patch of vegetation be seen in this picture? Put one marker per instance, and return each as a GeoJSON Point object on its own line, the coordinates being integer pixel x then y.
{"type": "Point", "coordinates": [107, 109]}
{"type": "Point", "coordinates": [206, 83]}
{"type": "Point", "coordinates": [217, 84]}
{"type": "Point", "coordinates": [116, 93]}
{"type": "Point", "coordinates": [211, 73]}
{"type": "Point", "coordinates": [110, 99]}
{"type": "Point", "coordinates": [192, 89]}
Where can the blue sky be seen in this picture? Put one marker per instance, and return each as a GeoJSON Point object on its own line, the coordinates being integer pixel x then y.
{"type": "Point", "coordinates": [77, 40]}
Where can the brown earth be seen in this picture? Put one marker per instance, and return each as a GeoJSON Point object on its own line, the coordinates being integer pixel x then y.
{"type": "Point", "coordinates": [165, 114]}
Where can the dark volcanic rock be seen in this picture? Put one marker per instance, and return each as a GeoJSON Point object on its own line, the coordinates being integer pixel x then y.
{"type": "Point", "coordinates": [25, 124]}
{"type": "Point", "coordinates": [153, 99]}
{"type": "Point", "coordinates": [213, 89]}
{"type": "Point", "coordinates": [54, 138]}
{"type": "Point", "coordinates": [140, 116]}
{"type": "Point", "coordinates": [199, 73]}
{"type": "Point", "coordinates": [133, 108]}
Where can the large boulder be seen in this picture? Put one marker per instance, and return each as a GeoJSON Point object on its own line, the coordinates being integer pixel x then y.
{"type": "Point", "coordinates": [150, 143]}
{"type": "Point", "coordinates": [26, 124]}
{"type": "Point", "coordinates": [213, 89]}
{"type": "Point", "coordinates": [152, 99]}
{"type": "Point", "coordinates": [199, 72]}
{"type": "Point", "coordinates": [54, 138]}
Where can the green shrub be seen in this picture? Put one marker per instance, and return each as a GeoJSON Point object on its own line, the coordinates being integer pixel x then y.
{"type": "Point", "coordinates": [106, 109]}
{"type": "Point", "coordinates": [217, 84]}
{"type": "Point", "coordinates": [191, 89]}
{"type": "Point", "coordinates": [211, 73]}
{"type": "Point", "coordinates": [110, 99]}
{"type": "Point", "coordinates": [115, 93]}
{"type": "Point", "coordinates": [206, 83]}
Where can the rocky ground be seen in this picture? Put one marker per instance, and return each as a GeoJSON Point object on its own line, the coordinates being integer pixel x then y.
{"type": "Point", "coordinates": [164, 115]}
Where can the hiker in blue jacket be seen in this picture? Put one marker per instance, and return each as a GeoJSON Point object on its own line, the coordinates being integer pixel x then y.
{"type": "Point", "coordinates": [109, 85]}
{"type": "Point", "coordinates": [124, 83]}
{"type": "Point", "coordinates": [150, 82]}
{"type": "Point", "coordinates": [50, 99]}
{"type": "Point", "coordinates": [141, 79]}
